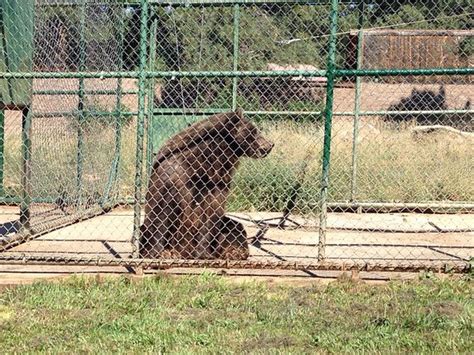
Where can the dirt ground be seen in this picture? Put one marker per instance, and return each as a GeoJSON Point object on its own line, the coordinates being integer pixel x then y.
{"type": "Point", "coordinates": [372, 238]}
{"type": "Point", "coordinates": [375, 96]}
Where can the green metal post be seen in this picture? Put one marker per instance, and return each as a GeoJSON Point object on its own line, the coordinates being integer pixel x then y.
{"type": "Point", "coordinates": [140, 124]}
{"type": "Point", "coordinates": [118, 120]}
{"type": "Point", "coordinates": [331, 70]}
{"type": "Point", "coordinates": [235, 57]}
{"type": "Point", "coordinates": [16, 51]}
{"type": "Point", "coordinates": [151, 96]}
{"type": "Point", "coordinates": [355, 136]}
{"type": "Point", "coordinates": [26, 170]}
{"type": "Point", "coordinates": [2, 150]}
{"type": "Point", "coordinates": [80, 106]}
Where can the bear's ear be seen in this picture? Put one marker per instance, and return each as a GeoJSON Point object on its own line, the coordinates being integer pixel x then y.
{"type": "Point", "coordinates": [239, 112]}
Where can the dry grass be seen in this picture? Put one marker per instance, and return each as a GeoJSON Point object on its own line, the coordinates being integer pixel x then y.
{"type": "Point", "coordinates": [396, 166]}
{"type": "Point", "coordinates": [392, 165]}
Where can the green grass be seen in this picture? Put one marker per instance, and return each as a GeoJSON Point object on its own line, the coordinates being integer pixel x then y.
{"type": "Point", "coordinates": [208, 314]}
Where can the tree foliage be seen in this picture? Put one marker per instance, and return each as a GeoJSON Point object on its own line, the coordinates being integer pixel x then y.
{"type": "Point", "coordinates": [201, 38]}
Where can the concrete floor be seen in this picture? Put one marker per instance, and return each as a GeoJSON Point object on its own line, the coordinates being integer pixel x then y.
{"type": "Point", "coordinates": [375, 238]}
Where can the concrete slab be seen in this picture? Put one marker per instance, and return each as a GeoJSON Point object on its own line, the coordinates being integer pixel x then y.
{"type": "Point", "coordinates": [413, 239]}
{"type": "Point", "coordinates": [9, 214]}
{"type": "Point", "coordinates": [452, 222]}
{"type": "Point", "coordinates": [390, 222]}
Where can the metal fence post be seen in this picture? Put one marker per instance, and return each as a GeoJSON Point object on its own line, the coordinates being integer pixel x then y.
{"type": "Point", "coordinates": [355, 135]}
{"type": "Point", "coordinates": [140, 124]}
{"type": "Point", "coordinates": [80, 105]}
{"type": "Point", "coordinates": [118, 118]}
{"type": "Point", "coordinates": [331, 71]}
{"type": "Point", "coordinates": [235, 57]}
{"type": "Point", "coordinates": [2, 150]}
{"type": "Point", "coordinates": [151, 97]}
{"type": "Point", "coordinates": [26, 170]}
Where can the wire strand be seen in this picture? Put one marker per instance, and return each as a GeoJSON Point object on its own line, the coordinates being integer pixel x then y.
{"type": "Point", "coordinates": [293, 40]}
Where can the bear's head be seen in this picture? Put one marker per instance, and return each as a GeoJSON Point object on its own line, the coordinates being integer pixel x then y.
{"type": "Point", "coordinates": [246, 139]}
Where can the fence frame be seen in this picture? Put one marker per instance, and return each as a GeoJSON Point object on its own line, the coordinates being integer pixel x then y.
{"type": "Point", "coordinates": [146, 74]}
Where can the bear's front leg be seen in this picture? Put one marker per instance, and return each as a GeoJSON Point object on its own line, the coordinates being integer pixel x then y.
{"type": "Point", "coordinates": [210, 215]}
{"type": "Point", "coordinates": [204, 233]}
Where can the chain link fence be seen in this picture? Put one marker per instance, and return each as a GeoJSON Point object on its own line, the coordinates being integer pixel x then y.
{"type": "Point", "coordinates": [256, 134]}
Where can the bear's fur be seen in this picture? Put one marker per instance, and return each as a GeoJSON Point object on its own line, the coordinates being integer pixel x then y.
{"type": "Point", "coordinates": [188, 189]}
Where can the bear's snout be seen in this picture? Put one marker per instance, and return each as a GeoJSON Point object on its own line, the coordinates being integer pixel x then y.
{"type": "Point", "coordinates": [262, 147]}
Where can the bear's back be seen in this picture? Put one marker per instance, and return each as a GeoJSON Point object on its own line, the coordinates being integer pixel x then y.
{"type": "Point", "coordinates": [195, 135]}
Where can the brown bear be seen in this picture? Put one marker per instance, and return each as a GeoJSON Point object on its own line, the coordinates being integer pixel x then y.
{"type": "Point", "coordinates": [188, 189]}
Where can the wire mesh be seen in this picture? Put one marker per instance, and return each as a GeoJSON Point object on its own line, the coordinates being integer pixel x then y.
{"type": "Point", "coordinates": [286, 134]}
